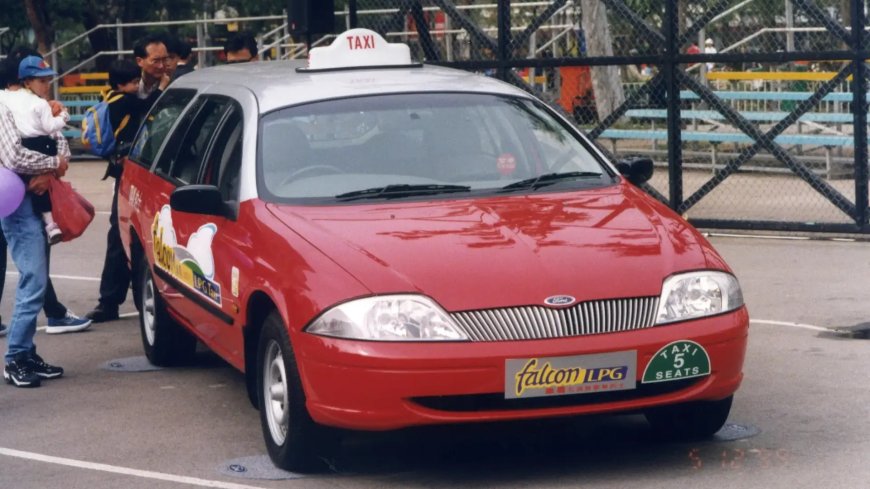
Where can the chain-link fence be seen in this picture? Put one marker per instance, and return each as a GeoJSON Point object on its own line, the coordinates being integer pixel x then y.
{"type": "Point", "coordinates": [754, 110]}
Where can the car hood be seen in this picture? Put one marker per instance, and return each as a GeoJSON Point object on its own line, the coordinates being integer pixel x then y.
{"type": "Point", "coordinates": [504, 251]}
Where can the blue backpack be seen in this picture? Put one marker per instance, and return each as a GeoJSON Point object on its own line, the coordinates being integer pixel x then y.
{"type": "Point", "coordinates": [97, 135]}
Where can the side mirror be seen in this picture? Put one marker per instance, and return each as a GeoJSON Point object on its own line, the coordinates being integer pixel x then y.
{"type": "Point", "coordinates": [636, 170]}
{"type": "Point", "coordinates": [198, 199]}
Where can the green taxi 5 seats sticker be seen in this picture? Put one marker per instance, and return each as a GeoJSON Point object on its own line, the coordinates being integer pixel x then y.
{"type": "Point", "coordinates": [682, 359]}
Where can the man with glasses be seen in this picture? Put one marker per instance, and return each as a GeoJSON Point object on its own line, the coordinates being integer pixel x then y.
{"type": "Point", "coordinates": [241, 48]}
{"type": "Point", "coordinates": [152, 58]}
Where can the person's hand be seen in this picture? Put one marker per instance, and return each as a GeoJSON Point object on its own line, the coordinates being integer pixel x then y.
{"type": "Point", "coordinates": [39, 184]}
{"type": "Point", "coordinates": [56, 107]}
{"type": "Point", "coordinates": [62, 167]}
{"type": "Point", "coordinates": [164, 81]}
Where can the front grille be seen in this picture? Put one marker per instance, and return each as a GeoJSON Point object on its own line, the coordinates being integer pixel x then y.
{"type": "Point", "coordinates": [538, 322]}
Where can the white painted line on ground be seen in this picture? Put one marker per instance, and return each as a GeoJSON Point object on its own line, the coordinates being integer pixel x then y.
{"type": "Point", "coordinates": [65, 277]}
{"type": "Point", "coordinates": [792, 325]}
{"type": "Point", "coordinates": [146, 474]}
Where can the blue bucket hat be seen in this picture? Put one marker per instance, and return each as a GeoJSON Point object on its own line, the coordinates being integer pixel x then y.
{"type": "Point", "coordinates": [34, 67]}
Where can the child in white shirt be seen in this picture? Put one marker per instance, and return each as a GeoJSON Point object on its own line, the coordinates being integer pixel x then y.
{"type": "Point", "coordinates": [38, 124]}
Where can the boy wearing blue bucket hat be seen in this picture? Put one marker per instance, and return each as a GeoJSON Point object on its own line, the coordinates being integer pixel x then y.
{"type": "Point", "coordinates": [38, 124]}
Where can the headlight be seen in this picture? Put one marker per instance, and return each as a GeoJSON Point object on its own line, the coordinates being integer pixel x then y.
{"type": "Point", "coordinates": [698, 294]}
{"type": "Point", "coordinates": [388, 318]}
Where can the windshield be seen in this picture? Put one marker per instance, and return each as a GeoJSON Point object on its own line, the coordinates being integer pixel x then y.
{"type": "Point", "coordinates": [432, 145]}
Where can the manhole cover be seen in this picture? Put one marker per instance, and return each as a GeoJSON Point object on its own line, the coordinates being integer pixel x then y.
{"type": "Point", "coordinates": [860, 331]}
{"type": "Point", "coordinates": [130, 364]}
{"type": "Point", "coordinates": [734, 432]}
{"type": "Point", "coordinates": [258, 467]}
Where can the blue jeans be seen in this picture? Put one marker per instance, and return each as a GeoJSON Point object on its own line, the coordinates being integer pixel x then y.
{"type": "Point", "coordinates": [25, 235]}
{"type": "Point", "coordinates": [52, 308]}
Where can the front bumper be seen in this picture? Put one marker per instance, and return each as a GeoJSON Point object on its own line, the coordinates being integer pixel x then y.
{"type": "Point", "coordinates": [369, 385]}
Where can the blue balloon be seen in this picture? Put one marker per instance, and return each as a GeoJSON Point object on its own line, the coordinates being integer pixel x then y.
{"type": "Point", "coordinates": [11, 191]}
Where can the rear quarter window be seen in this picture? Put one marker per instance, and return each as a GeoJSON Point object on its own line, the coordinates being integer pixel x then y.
{"type": "Point", "coordinates": [157, 125]}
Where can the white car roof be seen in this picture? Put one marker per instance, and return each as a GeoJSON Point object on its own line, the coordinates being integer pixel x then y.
{"type": "Point", "coordinates": [277, 84]}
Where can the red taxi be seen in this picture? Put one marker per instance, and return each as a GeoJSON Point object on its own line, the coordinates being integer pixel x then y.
{"type": "Point", "coordinates": [380, 244]}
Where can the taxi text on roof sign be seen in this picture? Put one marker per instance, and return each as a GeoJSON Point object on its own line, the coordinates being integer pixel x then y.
{"type": "Point", "coordinates": [356, 48]}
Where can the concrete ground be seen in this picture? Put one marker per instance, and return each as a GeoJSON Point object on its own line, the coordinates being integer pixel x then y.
{"type": "Point", "coordinates": [805, 395]}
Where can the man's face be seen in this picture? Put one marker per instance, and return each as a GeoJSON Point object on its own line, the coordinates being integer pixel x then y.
{"type": "Point", "coordinates": [154, 63]}
{"type": "Point", "coordinates": [240, 56]}
{"type": "Point", "coordinates": [171, 63]}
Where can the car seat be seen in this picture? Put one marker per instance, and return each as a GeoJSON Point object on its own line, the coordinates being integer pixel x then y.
{"type": "Point", "coordinates": [285, 150]}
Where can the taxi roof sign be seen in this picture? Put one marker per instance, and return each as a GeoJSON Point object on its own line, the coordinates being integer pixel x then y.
{"type": "Point", "coordinates": [358, 48]}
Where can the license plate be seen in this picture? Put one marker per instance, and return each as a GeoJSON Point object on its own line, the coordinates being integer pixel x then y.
{"type": "Point", "coordinates": [578, 374]}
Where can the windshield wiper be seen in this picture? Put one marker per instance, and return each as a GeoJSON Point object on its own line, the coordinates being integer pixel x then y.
{"type": "Point", "coordinates": [401, 190]}
{"type": "Point", "coordinates": [549, 179]}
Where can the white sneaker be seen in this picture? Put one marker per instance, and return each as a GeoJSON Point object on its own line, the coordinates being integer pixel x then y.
{"type": "Point", "coordinates": [67, 324]}
{"type": "Point", "coordinates": [53, 233]}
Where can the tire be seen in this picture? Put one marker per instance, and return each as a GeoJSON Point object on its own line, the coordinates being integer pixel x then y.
{"type": "Point", "coordinates": [294, 441]}
{"type": "Point", "coordinates": [690, 421]}
{"type": "Point", "coordinates": [166, 342]}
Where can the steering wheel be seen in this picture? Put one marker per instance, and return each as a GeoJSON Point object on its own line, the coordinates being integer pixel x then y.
{"type": "Point", "coordinates": [313, 168]}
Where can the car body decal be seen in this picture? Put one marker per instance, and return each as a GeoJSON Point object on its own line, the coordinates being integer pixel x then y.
{"type": "Point", "coordinates": [192, 265]}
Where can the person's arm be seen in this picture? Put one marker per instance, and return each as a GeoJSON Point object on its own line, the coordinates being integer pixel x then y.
{"type": "Point", "coordinates": [49, 124]}
{"type": "Point", "coordinates": [146, 103]}
{"type": "Point", "coordinates": [56, 107]}
{"type": "Point", "coordinates": [18, 158]}
{"type": "Point", "coordinates": [62, 144]}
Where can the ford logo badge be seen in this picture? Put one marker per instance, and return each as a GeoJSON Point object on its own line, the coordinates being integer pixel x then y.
{"type": "Point", "coordinates": [559, 300]}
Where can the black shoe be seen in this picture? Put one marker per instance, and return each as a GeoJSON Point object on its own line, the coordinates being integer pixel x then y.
{"type": "Point", "coordinates": [20, 373]}
{"type": "Point", "coordinates": [42, 369]}
{"type": "Point", "coordinates": [103, 313]}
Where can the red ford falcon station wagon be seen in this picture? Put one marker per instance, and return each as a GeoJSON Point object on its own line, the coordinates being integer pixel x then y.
{"type": "Point", "coordinates": [379, 244]}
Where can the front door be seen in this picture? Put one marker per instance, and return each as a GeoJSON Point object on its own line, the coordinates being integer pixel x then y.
{"type": "Point", "coordinates": [195, 253]}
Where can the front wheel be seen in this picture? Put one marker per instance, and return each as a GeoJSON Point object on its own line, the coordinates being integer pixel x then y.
{"type": "Point", "coordinates": [166, 343]}
{"type": "Point", "coordinates": [690, 421]}
{"type": "Point", "coordinates": [294, 441]}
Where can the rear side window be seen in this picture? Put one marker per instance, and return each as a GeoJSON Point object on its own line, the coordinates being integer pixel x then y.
{"type": "Point", "coordinates": [157, 125]}
{"type": "Point", "coordinates": [188, 159]}
{"type": "Point", "coordinates": [224, 163]}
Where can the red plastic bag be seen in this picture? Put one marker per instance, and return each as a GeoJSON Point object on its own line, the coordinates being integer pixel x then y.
{"type": "Point", "coordinates": [72, 212]}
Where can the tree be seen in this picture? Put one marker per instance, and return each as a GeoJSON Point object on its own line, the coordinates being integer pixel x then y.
{"type": "Point", "coordinates": [605, 79]}
{"type": "Point", "coordinates": [12, 16]}
{"type": "Point", "coordinates": [37, 14]}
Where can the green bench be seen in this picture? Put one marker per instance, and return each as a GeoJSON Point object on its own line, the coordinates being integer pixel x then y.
{"type": "Point", "coordinates": [814, 119]}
